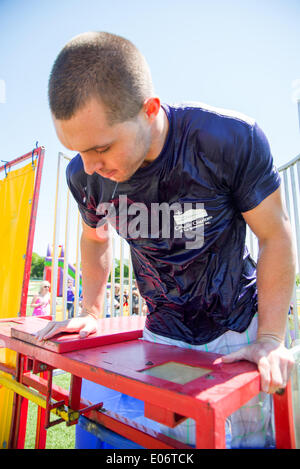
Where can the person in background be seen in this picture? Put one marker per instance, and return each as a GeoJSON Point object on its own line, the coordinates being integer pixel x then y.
{"type": "Point", "coordinates": [70, 298]}
{"type": "Point", "coordinates": [107, 305]}
{"type": "Point", "coordinates": [41, 302]}
{"type": "Point", "coordinates": [125, 303]}
{"type": "Point", "coordinates": [291, 323]}
{"type": "Point", "coordinates": [135, 301]}
{"type": "Point", "coordinates": [80, 297]}
{"type": "Point", "coordinates": [117, 293]}
{"type": "Point", "coordinates": [117, 299]}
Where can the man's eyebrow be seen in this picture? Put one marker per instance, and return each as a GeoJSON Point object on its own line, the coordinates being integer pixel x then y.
{"type": "Point", "coordinates": [96, 147]}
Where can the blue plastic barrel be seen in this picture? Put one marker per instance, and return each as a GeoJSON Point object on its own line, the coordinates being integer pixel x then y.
{"type": "Point", "coordinates": [90, 435]}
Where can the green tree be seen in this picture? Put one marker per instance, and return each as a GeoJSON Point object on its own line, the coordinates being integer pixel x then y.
{"type": "Point", "coordinates": [117, 270]}
{"type": "Point", "coordinates": [37, 266]}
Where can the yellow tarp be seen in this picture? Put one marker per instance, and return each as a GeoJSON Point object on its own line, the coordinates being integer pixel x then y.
{"type": "Point", "coordinates": [16, 194]}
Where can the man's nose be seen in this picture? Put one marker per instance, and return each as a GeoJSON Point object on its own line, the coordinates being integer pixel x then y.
{"type": "Point", "coordinates": [89, 165]}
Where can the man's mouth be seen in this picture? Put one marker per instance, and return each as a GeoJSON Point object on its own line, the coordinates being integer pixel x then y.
{"type": "Point", "coordinates": [107, 174]}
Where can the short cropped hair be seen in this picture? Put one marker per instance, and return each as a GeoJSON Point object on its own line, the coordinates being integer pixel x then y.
{"type": "Point", "coordinates": [101, 65]}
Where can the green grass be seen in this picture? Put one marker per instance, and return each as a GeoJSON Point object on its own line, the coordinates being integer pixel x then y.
{"type": "Point", "coordinates": [58, 437]}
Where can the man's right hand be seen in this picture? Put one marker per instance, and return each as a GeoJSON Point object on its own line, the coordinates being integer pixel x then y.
{"type": "Point", "coordinates": [85, 325]}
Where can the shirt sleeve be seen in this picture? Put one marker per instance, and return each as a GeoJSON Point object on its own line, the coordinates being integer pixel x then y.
{"type": "Point", "coordinates": [253, 174]}
{"type": "Point", "coordinates": [86, 205]}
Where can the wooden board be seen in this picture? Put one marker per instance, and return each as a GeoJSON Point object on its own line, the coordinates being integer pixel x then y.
{"type": "Point", "coordinates": [109, 331]}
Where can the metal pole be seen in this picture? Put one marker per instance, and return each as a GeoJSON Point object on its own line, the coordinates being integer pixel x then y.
{"type": "Point", "coordinates": [296, 213]}
{"type": "Point", "coordinates": [77, 271]}
{"type": "Point", "coordinates": [288, 207]}
{"type": "Point", "coordinates": [66, 256]}
{"type": "Point", "coordinates": [130, 285]}
{"type": "Point", "coordinates": [55, 239]}
{"type": "Point", "coordinates": [112, 281]}
{"type": "Point", "coordinates": [121, 275]}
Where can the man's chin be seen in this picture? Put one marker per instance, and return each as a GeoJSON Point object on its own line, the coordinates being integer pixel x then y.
{"type": "Point", "coordinates": [118, 179]}
{"type": "Point", "coordinates": [121, 178]}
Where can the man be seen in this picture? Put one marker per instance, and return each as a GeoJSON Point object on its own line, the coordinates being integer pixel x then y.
{"type": "Point", "coordinates": [216, 167]}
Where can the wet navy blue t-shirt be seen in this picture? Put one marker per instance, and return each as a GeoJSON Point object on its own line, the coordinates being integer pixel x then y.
{"type": "Point", "coordinates": [215, 164]}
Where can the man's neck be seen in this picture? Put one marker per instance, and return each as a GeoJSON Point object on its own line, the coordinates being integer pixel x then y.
{"type": "Point", "coordinates": [159, 136]}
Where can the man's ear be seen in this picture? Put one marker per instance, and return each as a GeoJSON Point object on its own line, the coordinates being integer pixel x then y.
{"type": "Point", "coordinates": [151, 108]}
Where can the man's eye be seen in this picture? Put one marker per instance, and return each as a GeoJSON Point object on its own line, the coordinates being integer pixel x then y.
{"type": "Point", "coordinates": [102, 151]}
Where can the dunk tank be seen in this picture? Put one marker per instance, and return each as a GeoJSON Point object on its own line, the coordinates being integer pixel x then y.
{"type": "Point", "coordinates": [125, 392]}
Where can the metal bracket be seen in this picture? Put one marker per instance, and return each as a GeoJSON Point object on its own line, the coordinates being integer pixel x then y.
{"type": "Point", "coordinates": [35, 366]}
{"type": "Point", "coordinates": [68, 415]}
{"type": "Point", "coordinates": [65, 413]}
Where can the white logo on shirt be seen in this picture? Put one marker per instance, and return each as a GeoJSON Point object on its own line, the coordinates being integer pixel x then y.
{"type": "Point", "coordinates": [191, 219]}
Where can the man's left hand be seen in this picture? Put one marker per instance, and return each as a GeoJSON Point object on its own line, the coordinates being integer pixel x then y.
{"type": "Point", "coordinates": [275, 363]}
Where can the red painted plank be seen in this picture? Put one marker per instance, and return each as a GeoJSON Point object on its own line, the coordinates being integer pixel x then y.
{"type": "Point", "coordinates": [161, 415]}
{"type": "Point", "coordinates": [109, 331]}
{"type": "Point", "coordinates": [212, 434]}
{"type": "Point", "coordinates": [283, 410]}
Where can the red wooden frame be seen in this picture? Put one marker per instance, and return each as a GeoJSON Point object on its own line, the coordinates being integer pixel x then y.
{"type": "Point", "coordinates": [120, 329]}
{"type": "Point", "coordinates": [210, 398]}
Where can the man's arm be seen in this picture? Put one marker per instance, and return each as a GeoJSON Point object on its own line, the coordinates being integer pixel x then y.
{"type": "Point", "coordinates": [275, 280]}
{"type": "Point", "coordinates": [96, 262]}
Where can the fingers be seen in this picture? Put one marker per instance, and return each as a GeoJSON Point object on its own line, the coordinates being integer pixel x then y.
{"type": "Point", "coordinates": [265, 374]}
{"type": "Point", "coordinates": [273, 377]}
{"type": "Point", "coordinates": [87, 330]}
{"type": "Point", "coordinates": [235, 356]}
{"type": "Point", "coordinates": [84, 325]}
{"type": "Point", "coordinates": [249, 353]}
{"type": "Point", "coordinates": [276, 370]}
{"type": "Point", "coordinates": [275, 364]}
{"type": "Point", "coordinates": [53, 328]}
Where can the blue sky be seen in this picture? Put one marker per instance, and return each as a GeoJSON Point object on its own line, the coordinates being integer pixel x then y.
{"type": "Point", "coordinates": [236, 54]}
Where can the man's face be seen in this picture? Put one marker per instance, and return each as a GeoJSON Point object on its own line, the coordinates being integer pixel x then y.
{"type": "Point", "coordinates": [113, 151]}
